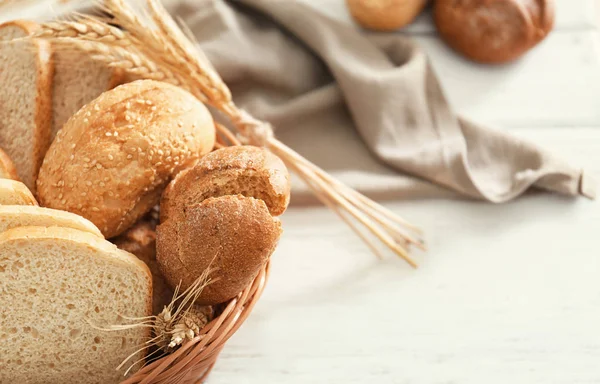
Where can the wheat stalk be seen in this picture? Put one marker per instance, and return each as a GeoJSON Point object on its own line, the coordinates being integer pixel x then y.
{"type": "Point", "coordinates": [153, 46]}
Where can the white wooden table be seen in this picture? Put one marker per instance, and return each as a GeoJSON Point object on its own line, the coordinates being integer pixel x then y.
{"type": "Point", "coordinates": [506, 294]}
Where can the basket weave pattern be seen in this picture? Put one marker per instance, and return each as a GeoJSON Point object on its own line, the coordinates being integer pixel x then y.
{"type": "Point", "coordinates": [193, 361]}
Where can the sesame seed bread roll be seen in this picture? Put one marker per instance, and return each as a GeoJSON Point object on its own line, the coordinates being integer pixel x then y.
{"type": "Point", "coordinates": [112, 159]}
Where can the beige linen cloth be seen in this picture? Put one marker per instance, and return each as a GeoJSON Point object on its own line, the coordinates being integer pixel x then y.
{"type": "Point", "coordinates": [369, 110]}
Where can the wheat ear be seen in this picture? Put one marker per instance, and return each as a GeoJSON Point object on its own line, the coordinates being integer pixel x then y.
{"type": "Point", "coordinates": [153, 46]}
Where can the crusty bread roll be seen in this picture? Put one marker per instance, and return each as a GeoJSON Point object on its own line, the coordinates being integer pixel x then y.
{"type": "Point", "coordinates": [385, 15]}
{"type": "Point", "coordinates": [14, 192]}
{"type": "Point", "coordinates": [231, 235]}
{"type": "Point", "coordinates": [7, 167]}
{"type": "Point", "coordinates": [13, 216]}
{"type": "Point", "coordinates": [245, 170]}
{"type": "Point", "coordinates": [493, 31]}
{"type": "Point", "coordinates": [219, 217]}
{"type": "Point", "coordinates": [111, 161]}
{"type": "Point", "coordinates": [140, 240]}
{"type": "Point", "coordinates": [60, 288]}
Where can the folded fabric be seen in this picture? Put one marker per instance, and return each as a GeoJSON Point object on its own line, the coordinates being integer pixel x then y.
{"type": "Point", "coordinates": [368, 109]}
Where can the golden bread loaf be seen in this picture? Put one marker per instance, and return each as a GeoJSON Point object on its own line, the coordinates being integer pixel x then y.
{"type": "Point", "coordinates": [219, 217]}
{"type": "Point", "coordinates": [385, 15]}
{"type": "Point", "coordinates": [493, 31]}
{"type": "Point", "coordinates": [112, 159]}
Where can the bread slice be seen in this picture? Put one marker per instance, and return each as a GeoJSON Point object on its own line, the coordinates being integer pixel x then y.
{"type": "Point", "coordinates": [7, 167]}
{"type": "Point", "coordinates": [58, 287]}
{"type": "Point", "coordinates": [77, 80]}
{"type": "Point", "coordinates": [15, 193]}
{"type": "Point", "coordinates": [25, 99]}
{"type": "Point", "coordinates": [140, 240]}
{"type": "Point", "coordinates": [13, 216]}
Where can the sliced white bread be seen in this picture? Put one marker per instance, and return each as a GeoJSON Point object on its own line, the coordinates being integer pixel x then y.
{"type": "Point", "coordinates": [7, 167]}
{"type": "Point", "coordinates": [13, 216]}
{"type": "Point", "coordinates": [58, 286]}
{"type": "Point", "coordinates": [14, 192]}
{"type": "Point", "coordinates": [25, 99]}
{"type": "Point", "coordinates": [77, 80]}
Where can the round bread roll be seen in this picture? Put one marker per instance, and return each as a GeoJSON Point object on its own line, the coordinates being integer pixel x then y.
{"type": "Point", "coordinates": [233, 236]}
{"type": "Point", "coordinates": [219, 216]}
{"type": "Point", "coordinates": [385, 15]}
{"type": "Point", "coordinates": [494, 31]}
{"type": "Point", "coordinates": [111, 161]}
{"type": "Point", "coordinates": [246, 170]}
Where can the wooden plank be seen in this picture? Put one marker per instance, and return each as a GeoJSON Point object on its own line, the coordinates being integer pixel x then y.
{"type": "Point", "coordinates": [507, 294]}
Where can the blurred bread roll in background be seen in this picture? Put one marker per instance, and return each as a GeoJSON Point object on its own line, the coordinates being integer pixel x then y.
{"type": "Point", "coordinates": [385, 15]}
{"type": "Point", "coordinates": [493, 31]}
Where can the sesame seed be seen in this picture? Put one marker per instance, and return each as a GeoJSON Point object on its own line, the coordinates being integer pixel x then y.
{"type": "Point", "coordinates": [86, 159]}
{"type": "Point", "coordinates": [152, 136]}
{"type": "Point", "coordinates": [179, 124]}
{"type": "Point", "coordinates": [102, 184]}
{"type": "Point", "coordinates": [108, 134]}
{"type": "Point", "coordinates": [85, 120]}
{"type": "Point", "coordinates": [116, 134]}
{"type": "Point", "coordinates": [99, 166]}
{"type": "Point", "coordinates": [94, 162]}
{"type": "Point", "coordinates": [148, 102]}
{"type": "Point", "coordinates": [88, 113]}
{"type": "Point", "coordinates": [128, 105]}
{"type": "Point", "coordinates": [129, 157]}
{"type": "Point", "coordinates": [72, 146]}
{"type": "Point", "coordinates": [71, 185]}
{"type": "Point", "coordinates": [63, 201]}
{"type": "Point", "coordinates": [96, 107]}
{"type": "Point", "coordinates": [95, 209]}
{"type": "Point", "coordinates": [106, 178]}
{"type": "Point", "coordinates": [60, 196]}
{"type": "Point", "coordinates": [158, 164]}
{"type": "Point", "coordinates": [71, 157]}
{"type": "Point", "coordinates": [83, 193]}
{"type": "Point", "coordinates": [153, 108]}
{"type": "Point", "coordinates": [110, 157]}
{"type": "Point", "coordinates": [170, 110]}
{"type": "Point", "coordinates": [160, 152]}
{"type": "Point", "coordinates": [168, 159]}
{"type": "Point", "coordinates": [84, 210]}
{"type": "Point", "coordinates": [111, 193]}
{"type": "Point", "coordinates": [149, 158]}
{"type": "Point", "coordinates": [128, 183]}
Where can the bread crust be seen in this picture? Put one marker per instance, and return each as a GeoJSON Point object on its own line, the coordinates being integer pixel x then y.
{"type": "Point", "coordinates": [385, 15]}
{"type": "Point", "coordinates": [233, 236]}
{"type": "Point", "coordinates": [14, 192]}
{"type": "Point", "coordinates": [495, 31]}
{"type": "Point", "coordinates": [246, 170]}
{"type": "Point", "coordinates": [43, 99]}
{"type": "Point", "coordinates": [7, 167]}
{"type": "Point", "coordinates": [12, 216]}
{"type": "Point", "coordinates": [111, 161]}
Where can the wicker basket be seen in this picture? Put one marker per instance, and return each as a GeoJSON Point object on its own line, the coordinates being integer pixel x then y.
{"type": "Point", "coordinates": [194, 360]}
